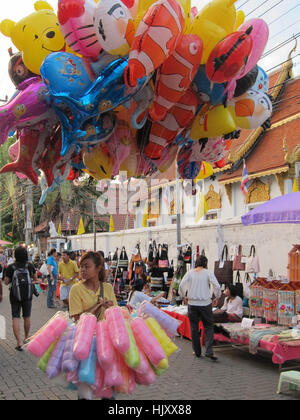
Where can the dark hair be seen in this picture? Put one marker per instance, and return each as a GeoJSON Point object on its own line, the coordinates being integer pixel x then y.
{"type": "Point", "coordinates": [21, 254]}
{"type": "Point", "coordinates": [52, 251]}
{"type": "Point", "coordinates": [232, 289]}
{"type": "Point", "coordinates": [201, 261]}
{"type": "Point", "coordinates": [101, 253]}
{"type": "Point", "coordinates": [67, 253]}
{"type": "Point", "coordinates": [98, 260]}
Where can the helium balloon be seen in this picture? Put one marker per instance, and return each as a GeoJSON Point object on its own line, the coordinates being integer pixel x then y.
{"type": "Point", "coordinates": [98, 163]}
{"type": "Point", "coordinates": [187, 169]}
{"type": "Point", "coordinates": [213, 123]}
{"type": "Point", "coordinates": [65, 73]}
{"type": "Point", "coordinates": [60, 176]}
{"type": "Point", "coordinates": [262, 81]}
{"type": "Point", "coordinates": [251, 110]}
{"type": "Point", "coordinates": [213, 23]}
{"type": "Point", "coordinates": [114, 27]}
{"type": "Point", "coordinates": [29, 140]}
{"type": "Point", "coordinates": [208, 149]}
{"type": "Point", "coordinates": [246, 82]}
{"type": "Point", "coordinates": [176, 120]}
{"type": "Point", "coordinates": [17, 70]}
{"type": "Point", "coordinates": [27, 108]}
{"type": "Point", "coordinates": [175, 75]}
{"type": "Point", "coordinates": [155, 39]}
{"type": "Point", "coordinates": [14, 151]}
{"type": "Point", "coordinates": [167, 158]}
{"type": "Point", "coordinates": [205, 171]}
{"type": "Point", "coordinates": [76, 22]}
{"type": "Point", "coordinates": [229, 57]}
{"type": "Point", "coordinates": [259, 35]}
{"type": "Point", "coordinates": [36, 35]}
{"type": "Point", "coordinates": [105, 93]}
{"type": "Point", "coordinates": [213, 93]}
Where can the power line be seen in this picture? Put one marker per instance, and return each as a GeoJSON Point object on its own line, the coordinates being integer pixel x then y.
{"type": "Point", "coordinates": [275, 20]}
{"type": "Point", "coordinates": [257, 7]}
{"type": "Point", "coordinates": [278, 46]}
{"type": "Point", "coordinates": [270, 8]}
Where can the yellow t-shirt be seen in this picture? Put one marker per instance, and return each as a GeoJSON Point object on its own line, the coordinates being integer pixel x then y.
{"type": "Point", "coordinates": [81, 299]}
{"type": "Point", "coordinates": [68, 271]}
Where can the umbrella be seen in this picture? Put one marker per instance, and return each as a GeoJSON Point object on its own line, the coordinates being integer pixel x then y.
{"type": "Point", "coordinates": [283, 209]}
{"type": "Point", "coordinates": [5, 243]}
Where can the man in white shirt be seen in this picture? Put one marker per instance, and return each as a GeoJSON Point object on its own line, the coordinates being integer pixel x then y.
{"type": "Point", "coordinates": [195, 285]}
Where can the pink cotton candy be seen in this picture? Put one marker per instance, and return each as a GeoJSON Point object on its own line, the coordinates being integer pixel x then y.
{"type": "Point", "coordinates": [84, 336]}
{"type": "Point", "coordinates": [144, 365]}
{"type": "Point", "coordinates": [113, 376]}
{"type": "Point", "coordinates": [41, 342]}
{"type": "Point", "coordinates": [147, 342]}
{"type": "Point", "coordinates": [105, 349]}
{"type": "Point", "coordinates": [117, 329]}
{"type": "Point", "coordinates": [99, 381]}
{"type": "Point", "coordinates": [146, 379]}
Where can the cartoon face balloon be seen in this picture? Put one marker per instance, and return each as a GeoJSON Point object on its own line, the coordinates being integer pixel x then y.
{"type": "Point", "coordinates": [113, 25]}
{"type": "Point", "coordinates": [17, 70]}
{"type": "Point", "coordinates": [251, 109]}
{"type": "Point", "coordinates": [76, 20]}
{"type": "Point", "coordinates": [36, 35]}
{"type": "Point", "coordinates": [262, 81]}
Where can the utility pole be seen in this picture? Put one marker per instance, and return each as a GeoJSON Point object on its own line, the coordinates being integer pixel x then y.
{"type": "Point", "coordinates": [28, 213]}
{"type": "Point", "coordinates": [94, 227]}
{"type": "Point", "coordinates": [178, 210]}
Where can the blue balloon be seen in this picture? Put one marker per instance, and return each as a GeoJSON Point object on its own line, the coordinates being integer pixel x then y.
{"type": "Point", "coordinates": [106, 93]}
{"type": "Point", "coordinates": [187, 169]}
{"type": "Point", "coordinates": [58, 180]}
{"type": "Point", "coordinates": [65, 73]}
{"type": "Point", "coordinates": [262, 81]}
{"type": "Point", "coordinates": [209, 92]}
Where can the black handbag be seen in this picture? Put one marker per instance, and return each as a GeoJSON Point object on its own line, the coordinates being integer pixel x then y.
{"type": "Point", "coordinates": [223, 268]}
{"type": "Point", "coordinates": [123, 260]}
{"type": "Point", "coordinates": [187, 257]}
{"type": "Point", "coordinates": [239, 286]}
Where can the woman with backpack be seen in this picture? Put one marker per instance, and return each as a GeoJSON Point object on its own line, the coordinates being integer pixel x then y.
{"type": "Point", "coordinates": [20, 277]}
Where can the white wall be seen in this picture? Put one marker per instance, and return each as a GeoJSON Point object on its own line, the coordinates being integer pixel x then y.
{"type": "Point", "coordinates": [272, 242]}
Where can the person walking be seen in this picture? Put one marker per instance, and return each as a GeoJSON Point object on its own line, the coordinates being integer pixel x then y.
{"type": "Point", "coordinates": [68, 273]}
{"type": "Point", "coordinates": [20, 277]}
{"type": "Point", "coordinates": [51, 278]}
{"type": "Point", "coordinates": [195, 286]}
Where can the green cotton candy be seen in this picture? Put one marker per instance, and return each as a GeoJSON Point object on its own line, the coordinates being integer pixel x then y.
{"type": "Point", "coordinates": [158, 371]}
{"type": "Point", "coordinates": [132, 356]}
{"type": "Point", "coordinates": [44, 360]}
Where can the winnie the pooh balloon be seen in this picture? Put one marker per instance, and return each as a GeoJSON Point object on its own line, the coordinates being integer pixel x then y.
{"type": "Point", "coordinates": [36, 35]}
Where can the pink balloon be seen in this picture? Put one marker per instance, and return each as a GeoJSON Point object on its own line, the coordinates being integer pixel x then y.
{"type": "Point", "coordinates": [13, 152]}
{"type": "Point", "coordinates": [260, 36]}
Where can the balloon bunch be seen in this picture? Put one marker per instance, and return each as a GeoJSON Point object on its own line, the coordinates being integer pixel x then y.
{"type": "Point", "coordinates": [108, 356]}
{"type": "Point", "coordinates": [132, 86]}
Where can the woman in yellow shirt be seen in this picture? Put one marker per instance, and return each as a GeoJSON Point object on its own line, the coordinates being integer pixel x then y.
{"type": "Point", "coordinates": [92, 294]}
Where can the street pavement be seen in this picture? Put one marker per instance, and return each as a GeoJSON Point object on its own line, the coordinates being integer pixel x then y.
{"type": "Point", "coordinates": [237, 375]}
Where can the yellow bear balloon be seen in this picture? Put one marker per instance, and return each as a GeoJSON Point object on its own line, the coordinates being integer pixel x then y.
{"type": "Point", "coordinates": [213, 23]}
{"type": "Point", "coordinates": [36, 35]}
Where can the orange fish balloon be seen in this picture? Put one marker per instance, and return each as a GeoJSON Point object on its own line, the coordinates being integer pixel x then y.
{"type": "Point", "coordinates": [176, 120]}
{"type": "Point", "coordinates": [155, 40]}
{"type": "Point", "coordinates": [176, 75]}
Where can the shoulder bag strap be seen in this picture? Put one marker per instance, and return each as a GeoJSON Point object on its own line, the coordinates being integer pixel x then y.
{"type": "Point", "coordinates": [225, 251]}
{"type": "Point", "coordinates": [238, 277]}
{"type": "Point", "coordinates": [252, 248]}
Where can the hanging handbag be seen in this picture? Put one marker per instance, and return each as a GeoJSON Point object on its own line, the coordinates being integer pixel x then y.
{"type": "Point", "coordinates": [187, 257]}
{"type": "Point", "coordinates": [237, 261]}
{"type": "Point", "coordinates": [239, 285]}
{"type": "Point", "coordinates": [223, 268]}
{"type": "Point", "coordinates": [163, 261]}
{"type": "Point", "coordinates": [252, 264]}
{"type": "Point", "coordinates": [123, 261]}
{"type": "Point", "coordinates": [136, 257]}
{"type": "Point", "coordinates": [150, 253]}
{"type": "Point", "coordinates": [114, 261]}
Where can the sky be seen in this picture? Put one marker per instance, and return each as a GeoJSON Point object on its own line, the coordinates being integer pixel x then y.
{"type": "Point", "coordinates": [282, 16]}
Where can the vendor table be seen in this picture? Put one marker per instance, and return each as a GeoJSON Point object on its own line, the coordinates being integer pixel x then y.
{"type": "Point", "coordinates": [281, 351]}
{"type": "Point", "coordinates": [185, 328]}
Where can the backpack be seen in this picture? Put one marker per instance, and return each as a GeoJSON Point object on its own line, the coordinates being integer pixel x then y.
{"type": "Point", "coordinates": [22, 287]}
